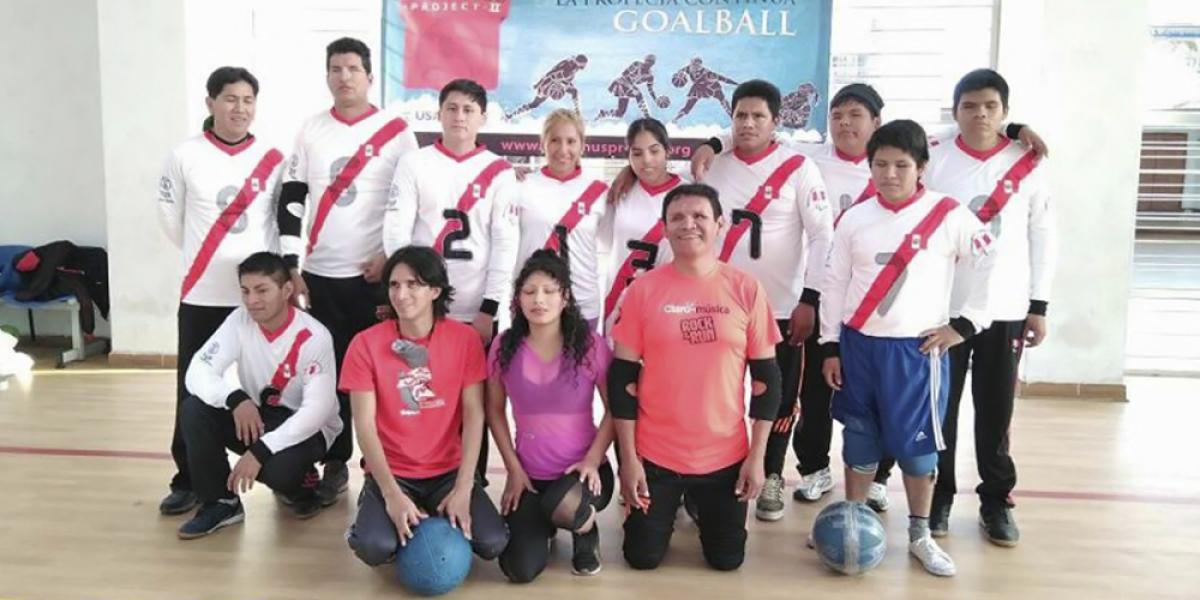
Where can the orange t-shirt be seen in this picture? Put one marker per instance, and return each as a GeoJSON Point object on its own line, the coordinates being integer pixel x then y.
{"type": "Point", "coordinates": [418, 410]}
{"type": "Point", "coordinates": [695, 336]}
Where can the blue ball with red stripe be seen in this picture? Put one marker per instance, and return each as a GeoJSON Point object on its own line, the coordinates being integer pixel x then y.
{"type": "Point", "coordinates": [849, 537]}
{"type": "Point", "coordinates": [436, 560]}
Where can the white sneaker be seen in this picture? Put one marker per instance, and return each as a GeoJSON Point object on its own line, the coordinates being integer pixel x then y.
{"type": "Point", "coordinates": [769, 506]}
{"type": "Point", "coordinates": [813, 486]}
{"type": "Point", "coordinates": [877, 497]}
{"type": "Point", "coordinates": [932, 557]}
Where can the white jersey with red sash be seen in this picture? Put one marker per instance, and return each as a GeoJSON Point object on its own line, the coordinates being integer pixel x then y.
{"type": "Point", "coordinates": [1005, 188]}
{"type": "Point", "coordinates": [563, 214]}
{"type": "Point", "coordinates": [217, 203]}
{"type": "Point", "coordinates": [348, 166]}
{"type": "Point", "coordinates": [632, 237]}
{"type": "Point", "coordinates": [465, 208]}
{"type": "Point", "coordinates": [294, 365]}
{"type": "Point", "coordinates": [847, 178]}
{"type": "Point", "coordinates": [780, 221]}
{"type": "Point", "coordinates": [892, 266]}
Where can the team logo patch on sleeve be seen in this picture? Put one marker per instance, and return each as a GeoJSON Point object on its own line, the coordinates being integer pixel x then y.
{"type": "Point", "coordinates": [166, 190]}
{"type": "Point", "coordinates": [313, 368]}
{"type": "Point", "coordinates": [820, 200]}
{"type": "Point", "coordinates": [210, 353]}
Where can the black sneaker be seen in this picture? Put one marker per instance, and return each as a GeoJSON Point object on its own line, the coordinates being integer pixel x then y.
{"type": "Point", "coordinates": [311, 479]}
{"type": "Point", "coordinates": [939, 519]}
{"type": "Point", "coordinates": [585, 560]}
{"type": "Point", "coordinates": [333, 483]}
{"type": "Point", "coordinates": [211, 517]}
{"type": "Point", "coordinates": [178, 502]}
{"type": "Point", "coordinates": [305, 506]}
{"type": "Point", "coordinates": [998, 523]}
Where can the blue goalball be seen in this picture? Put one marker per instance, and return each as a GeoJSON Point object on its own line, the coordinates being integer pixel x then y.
{"type": "Point", "coordinates": [849, 537]}
{"type": "Point", "coordinates": [436, 560]}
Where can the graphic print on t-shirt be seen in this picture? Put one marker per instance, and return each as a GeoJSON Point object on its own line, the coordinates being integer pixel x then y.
{"type": "Point", "coordinates": [413, 382]}
{"type": "Point", "coordinates": [699, 329]}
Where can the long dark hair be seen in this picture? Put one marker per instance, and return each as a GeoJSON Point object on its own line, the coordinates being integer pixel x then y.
{"type": "Point", "coordinates": [429, 268]}
{"type": "Point", "coordinates": [577, 336]}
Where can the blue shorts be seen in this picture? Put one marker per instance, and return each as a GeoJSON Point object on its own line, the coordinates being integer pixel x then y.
{"type": "Point", "coordinates": [892, 394]}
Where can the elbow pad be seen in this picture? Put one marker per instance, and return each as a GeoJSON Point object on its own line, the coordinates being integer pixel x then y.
{"type": "Point", "coordinates": [765, 406]}
{"type": "Point", "coordinates": [621, 373]}
{"type": "Point", "coordinates": [289, 213]}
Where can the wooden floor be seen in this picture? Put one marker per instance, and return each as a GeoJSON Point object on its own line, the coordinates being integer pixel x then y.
{"type": "Point", "coordinates": [1109, 507]}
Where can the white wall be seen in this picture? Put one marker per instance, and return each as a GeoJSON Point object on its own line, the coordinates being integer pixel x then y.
{"type": "Point", "coordinates": [1074, 70]}
{"type": "Point", "coordinates": [144, 114]}
{"type": "Point", "coordinates": [281, 41]}
{"type": "Point", "coordinates": [51, 166]}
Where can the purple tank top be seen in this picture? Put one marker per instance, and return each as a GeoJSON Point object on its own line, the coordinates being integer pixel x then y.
{"type": "Point", "coordinates": [552, 405]}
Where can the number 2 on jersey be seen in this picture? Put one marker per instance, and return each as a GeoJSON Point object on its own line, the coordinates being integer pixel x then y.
{"type": "Point", "coordinates": [463, 232]}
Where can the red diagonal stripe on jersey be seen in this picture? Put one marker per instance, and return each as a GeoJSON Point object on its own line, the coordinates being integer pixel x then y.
{"type": "Point", "coordinates": [254, 184]}
{"type": "Point", "coordinates": [579, 209]}
{"type": "Point", "coordinates": [370, 149]}
{"type": "Point", "coordinates": [1000, 196]}
{"type": "Point", "coordinates": [867, 193]}
{"type": "Point", "coordinates": [287, 369]}
{"type": "Point", "coordinates": [900, 258]}
{"type": "Point", "coordinates": [627, 271]}
{"type": "Point", "coordinates": [758, 204]}
{"type": "Point", "coordinates": [475, 190]}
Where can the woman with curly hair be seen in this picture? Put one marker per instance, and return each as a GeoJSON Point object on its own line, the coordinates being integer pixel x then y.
{"type": "Point", "coordinates": [549, 364]}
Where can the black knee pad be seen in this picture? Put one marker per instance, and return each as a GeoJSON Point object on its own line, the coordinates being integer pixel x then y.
{"type": "Point", "coordinates": [373, 552]}
{"type": "Point", "coordinates": [488, 547]}
{"type": "Point", "coordinates": [567, 503]}
{"type": "Point", "coordinates": [518, 573]}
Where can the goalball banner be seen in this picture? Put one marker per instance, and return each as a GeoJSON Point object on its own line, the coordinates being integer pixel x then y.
{"type": "Point", "coordinates": [613, 61]}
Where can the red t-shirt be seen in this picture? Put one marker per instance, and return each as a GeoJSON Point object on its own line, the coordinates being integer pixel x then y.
{"type": "Point", "coordinates": [449, 40]}
{"type": "Point", "coordinates": [418, 409]}
{"type": "Point", "coordinates": [695, 336]}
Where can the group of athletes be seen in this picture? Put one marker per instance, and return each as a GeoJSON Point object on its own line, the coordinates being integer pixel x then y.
{"type": "Point", "coordinates": [356, 285]}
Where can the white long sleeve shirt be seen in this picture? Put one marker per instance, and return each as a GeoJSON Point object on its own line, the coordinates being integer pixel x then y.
{"type": "Point", "coordinates": [543, 203]}
{"type": "Point", "coordinates": [785, 246]}
{"type": "Point", "coordinates": [479, 244]}
{"type": "Point", "coordinates": [918, 300]}
{"type": "Point", "coordinates": [343, 229]}
{"type": "Point", "coordinates": [1025, 244]}
{"type": "Point", "coordinates": [202, 177]}
{"type": "Point", "coordinates": [296, 361]}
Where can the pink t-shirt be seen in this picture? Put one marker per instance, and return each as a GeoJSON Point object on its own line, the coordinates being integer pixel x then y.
{"type": "Point", "coordinates": [695, 336]}
{"type": "Point", "coordinates": [552, 405]}
{"type": "Point", "coordinates": [418, 409]}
